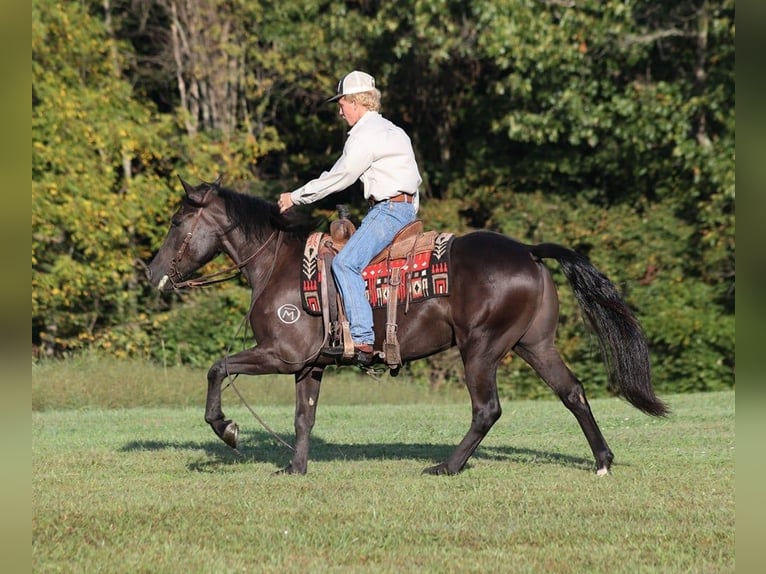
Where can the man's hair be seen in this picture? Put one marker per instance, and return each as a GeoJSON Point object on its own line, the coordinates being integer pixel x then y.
{"type": "Point", "coordinates": [370, 99]}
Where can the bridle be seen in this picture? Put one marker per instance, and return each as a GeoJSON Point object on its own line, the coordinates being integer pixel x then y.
{"type": "Point", "coordinates": [176, 278]}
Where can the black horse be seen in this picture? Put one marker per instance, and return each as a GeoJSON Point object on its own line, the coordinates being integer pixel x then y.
{"type": "Point", "coordinates": [502, 300]}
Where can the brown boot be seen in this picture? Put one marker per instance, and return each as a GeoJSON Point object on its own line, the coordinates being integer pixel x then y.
{"type": "Point", "coordinates": [364, 355]}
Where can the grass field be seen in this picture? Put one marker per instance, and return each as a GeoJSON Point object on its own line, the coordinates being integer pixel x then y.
{"type": "Point", "coordinates": [150, 488]}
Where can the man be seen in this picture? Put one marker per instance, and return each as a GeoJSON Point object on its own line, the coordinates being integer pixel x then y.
{"type": "Point", "coordinates": [380, 154]}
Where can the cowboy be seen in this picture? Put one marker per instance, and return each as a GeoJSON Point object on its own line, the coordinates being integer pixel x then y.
{"type": "Point", "coordinates": [380, 154]}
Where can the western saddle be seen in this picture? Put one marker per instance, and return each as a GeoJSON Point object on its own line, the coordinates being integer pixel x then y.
{"type": "Point", "coordinates": [411, 240]}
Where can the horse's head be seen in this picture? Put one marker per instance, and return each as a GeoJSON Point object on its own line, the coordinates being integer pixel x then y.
{"type": "Point", "coordinates": [193, 238]}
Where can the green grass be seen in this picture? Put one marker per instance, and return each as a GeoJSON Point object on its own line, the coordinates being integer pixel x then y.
{"type": "Point", "coordinates": [100, 382]}
{"type": "Point", "coordinates": [150, 489]}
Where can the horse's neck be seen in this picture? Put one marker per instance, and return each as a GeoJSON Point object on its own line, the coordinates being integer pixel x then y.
{"type": "Point", "coordinates": [254, 257]}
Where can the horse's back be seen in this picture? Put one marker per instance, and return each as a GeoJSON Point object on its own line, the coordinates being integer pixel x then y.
{"type": "Point", "coordinates": [495, 262]}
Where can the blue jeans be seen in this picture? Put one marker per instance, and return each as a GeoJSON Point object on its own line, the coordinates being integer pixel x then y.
{"type": "Point", "coordinates": [378, 228]}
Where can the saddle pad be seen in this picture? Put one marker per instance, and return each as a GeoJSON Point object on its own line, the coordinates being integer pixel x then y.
{"type": "Point", "coordinates": [425, 275]}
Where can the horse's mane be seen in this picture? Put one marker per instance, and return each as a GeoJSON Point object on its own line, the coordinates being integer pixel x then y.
{"type": "Point", "coordinates": [257, 217]}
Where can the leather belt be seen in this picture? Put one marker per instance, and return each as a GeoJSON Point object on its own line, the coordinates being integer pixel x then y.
{"type": "Point", "coordinates": [400, 198]}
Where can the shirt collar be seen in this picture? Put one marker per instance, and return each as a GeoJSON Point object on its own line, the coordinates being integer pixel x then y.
{"type": "Point", "coordinates": [365, 118]}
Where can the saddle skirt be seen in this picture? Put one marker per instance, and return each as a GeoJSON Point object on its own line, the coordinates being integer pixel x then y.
{"type": "Point", "coordinates": [421, 257]}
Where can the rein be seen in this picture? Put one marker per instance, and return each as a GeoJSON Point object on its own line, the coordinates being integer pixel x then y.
{"type": "Point", "coordinates": [215, 277]}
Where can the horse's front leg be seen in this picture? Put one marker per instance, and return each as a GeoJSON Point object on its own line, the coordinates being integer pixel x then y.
{"type": "Point", "coordinates": [255, 361]}
{"type": "Point", "coordinates": [307, 386]}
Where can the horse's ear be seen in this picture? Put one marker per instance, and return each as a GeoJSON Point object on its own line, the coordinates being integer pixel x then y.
{"type": "Point", "coordinates": [188, 188]}
{"type": "Point", "coordinates": [218, 180]}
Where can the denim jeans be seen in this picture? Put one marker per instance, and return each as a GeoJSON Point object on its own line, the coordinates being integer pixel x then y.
{"type": "Point", "coordinates": [378, 228]}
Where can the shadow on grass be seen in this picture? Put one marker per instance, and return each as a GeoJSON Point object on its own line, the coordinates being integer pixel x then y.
{"type": "Point", "coordinates": [259, 446]}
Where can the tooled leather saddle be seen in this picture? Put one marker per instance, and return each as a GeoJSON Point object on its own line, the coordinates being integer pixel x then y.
{"type": "Point", "coordinates": [414, 267]}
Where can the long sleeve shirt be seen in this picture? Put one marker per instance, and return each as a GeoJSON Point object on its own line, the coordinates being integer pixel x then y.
{"type": "Point", "coordinates": [378, 153]}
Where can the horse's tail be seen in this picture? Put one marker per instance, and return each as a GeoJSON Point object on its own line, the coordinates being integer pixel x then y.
{"type": "Point", "coordinates": [623, 345]}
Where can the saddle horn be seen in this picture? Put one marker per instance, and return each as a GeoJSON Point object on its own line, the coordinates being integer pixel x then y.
{"type": "Point", "coordinates": [342, 228]}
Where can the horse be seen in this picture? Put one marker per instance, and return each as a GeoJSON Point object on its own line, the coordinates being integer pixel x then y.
{"type": "Point", "coordinates": [503, 300]}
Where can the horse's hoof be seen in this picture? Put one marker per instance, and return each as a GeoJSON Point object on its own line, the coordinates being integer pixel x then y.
{"type": "Point", "coordinates": [438, 470]}
{"type": "Point", "coordinates": [603, 471]}
{"type": "Point", "coordinates": [290, 469]}
{"type": "Point", "coordinates": [231, 434]}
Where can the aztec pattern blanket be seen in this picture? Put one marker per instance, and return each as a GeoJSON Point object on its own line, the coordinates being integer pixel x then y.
{"type": "Point", "coordinates": [425, 275]}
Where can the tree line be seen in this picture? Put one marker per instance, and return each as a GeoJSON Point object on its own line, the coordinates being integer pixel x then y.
{"type": "Point", "coordinates": [607, 126]}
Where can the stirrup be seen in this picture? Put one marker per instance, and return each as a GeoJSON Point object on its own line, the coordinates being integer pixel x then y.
{"type": "Point", "coordinates": [335, 352]}
{"type": "Point", "coordinates": [361, 358]}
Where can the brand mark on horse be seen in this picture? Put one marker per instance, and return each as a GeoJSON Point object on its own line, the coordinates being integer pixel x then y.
{"type": "Point", "coordinates": [288, 314]}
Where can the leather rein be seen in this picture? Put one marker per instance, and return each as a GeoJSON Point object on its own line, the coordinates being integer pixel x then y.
{"type": "Point", "coordinates": [176, 278]}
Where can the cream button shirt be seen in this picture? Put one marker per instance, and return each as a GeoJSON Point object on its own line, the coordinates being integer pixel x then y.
{"type": "Point", "coordinates": [378, 153]}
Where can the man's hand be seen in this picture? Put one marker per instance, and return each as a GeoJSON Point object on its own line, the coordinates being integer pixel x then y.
{"type": "Point", "coordinates": [285, 202]}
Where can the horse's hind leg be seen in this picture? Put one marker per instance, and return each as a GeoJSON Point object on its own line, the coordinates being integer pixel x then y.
{"type": "Point", "coordinates": [482, 385]}
{"type": "Point", "coordinates": [545, 359]}
{"type": "Point", "coordinates": [306, 396]}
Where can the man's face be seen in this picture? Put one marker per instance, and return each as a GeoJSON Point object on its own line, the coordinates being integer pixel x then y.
{"type": "Point", "coordinates": [350, 111]}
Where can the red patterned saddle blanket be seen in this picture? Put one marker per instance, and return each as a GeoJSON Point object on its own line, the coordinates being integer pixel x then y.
{"type": "Point", "coordinates": [423, 264]}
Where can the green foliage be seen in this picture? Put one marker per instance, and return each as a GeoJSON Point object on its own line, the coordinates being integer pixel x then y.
{"type": "Point", "coordinates": [102, 167]}
{"type": "Point", "coordinates": [89, 221]}
{"type": "Point", "coordinates": [643, 249]}
{"type": "Point", "coordinates": [605, 126]}
{"type": "Point", "coordinates": [208, 326]}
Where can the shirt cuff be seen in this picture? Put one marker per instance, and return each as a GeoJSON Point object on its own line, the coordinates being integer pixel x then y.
{"type": "Point", "coordinates": [296, 196]}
